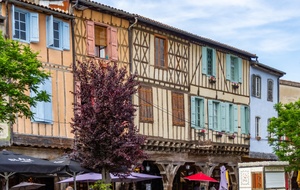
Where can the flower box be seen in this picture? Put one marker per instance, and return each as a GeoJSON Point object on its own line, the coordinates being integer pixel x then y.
{"type": "Point", "coordinates": [219, 134]}
{"type": "Point", "coordinates": [201, 132]}
{"type": "Point", "coordinates": [232, 136]}
{"type": "Point", "coordinates": [212, 79]}
{"type": "Point", "coordinates": [235, 85]}
{"type": "Point", "coordinates": [247, 137]}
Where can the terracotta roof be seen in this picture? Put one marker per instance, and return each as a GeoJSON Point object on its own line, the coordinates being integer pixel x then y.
{"type": "Point", "coordinates": [121, 13]}
{"type": "Point", "coordinates": [36, 6]}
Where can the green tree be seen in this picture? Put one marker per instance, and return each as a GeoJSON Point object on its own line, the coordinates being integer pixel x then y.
{"type": "Point", "coordinates": [20, 72]}
{"type": "Point", "coordinates": [284, 134]}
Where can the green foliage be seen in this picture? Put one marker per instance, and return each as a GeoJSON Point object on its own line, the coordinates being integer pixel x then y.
{"type": "Point", "coordinates": [285, 131]}
{"type": "Point", "coordinates": [101, 185]}
{"type": "Point", "coordinates": [20, 70]}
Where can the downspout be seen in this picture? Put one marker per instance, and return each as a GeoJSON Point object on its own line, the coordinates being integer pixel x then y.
{"type": "Point", "coordinates": [130, 43]}
{"type": "Point", "coordinates": [6, 21]}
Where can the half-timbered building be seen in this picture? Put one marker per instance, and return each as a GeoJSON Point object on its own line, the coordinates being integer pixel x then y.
{"type": "Point", "coordinates": [47, 31]}
{"type": "Point", "coordinates": [193, 96]}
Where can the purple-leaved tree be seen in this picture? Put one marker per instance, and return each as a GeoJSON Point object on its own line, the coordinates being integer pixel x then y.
{"type": "Point", "coordinates": [106, 138]}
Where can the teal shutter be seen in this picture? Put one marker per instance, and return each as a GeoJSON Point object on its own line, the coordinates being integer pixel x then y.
{"type": "Point", "coordinates": [34, 27]}
{"type": "Point", "coordinates": [222, 126]}
{"type": "Point", "coordinates": [48, 105]}
{"type": "Point", "coordinates": [240, 67]}
{"type": "Point", "coordinates": [243, 119]}
{"type": "Point", "coordinates": [235, 118]}
{"type": "Point", "coordinates": [228, 67]}
{"type": "Point", "coordinates": [50, 38]}
{"type": "Point", "coordinates": [214, 62]}
{"type": "Point", "coordinates": [204, 60]}
{"type": "Point", "coordinates": [13, 20]}
{"type": "Point", "coordinates": [247, 123]}
{"type": "Point", "coordinates": [227, 122]}
{"type": "Point", "coordinates": [193, 112]}
{"type": "Point", "coordinates": [210, 114]}
{"type": "Point", "coordinates": [66, 36]}
{"type": "Point", "coordinates": [202, 113]}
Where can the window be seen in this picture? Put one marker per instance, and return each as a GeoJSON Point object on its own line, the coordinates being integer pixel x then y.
{"type": "Point", "coordinates": [43, 110]}
{"type": "Point", "coordinates": [257, 126]}
{"type": "Point", "coordinates": [214, 115]}
{"type": "Point", "coordinates": [234, 68]}
{"type": "Point", "coordinates": [208, 61]}
{"type": "Point", "coordinates": [58, 34]}
{"type": "Point", "coordinates": [146, 104]}
{"type": "Point", "coordinates": [197, 112]}
{"type": "Point", "coordinates": [25, 25]}
{"type": "Point", "coordinates": [256, 86]}
{"type": "Point", "coordinates": [178, 109]}
{"type": "Point", "coordinates": [229, 117]}
{"type": "Point", "coordinates": [160, 46]}
{"type": "Point", "coordinates": [257, 180]}
{"type": "Point", "coordinates": [245, 119]}
{"type": "Point", "coordinates": [270, 90]}
{"type": "Point", "coordinates": [102, 41]}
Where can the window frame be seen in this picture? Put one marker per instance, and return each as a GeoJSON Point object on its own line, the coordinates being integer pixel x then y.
{"type": "Point", "coordinates": [43, 110]}
{"type": "Point", "coordinates": [158, 63]}
{"type": "Point", "coordinates": [197, 112]}
{"type": "Point", "coordinates": [256, 86]}
{"type": "Point", "coordinates": [178, 113]}
{"type": "Point", "coordinates": [31, 22]}
{"type": "Point", "coordinates": [63, 32]}
{"type": "Point", "coordinates": [146, 104]}
{"type": "Point", "coordinates": [237, 76]}
{"type": "Point", "coordinates": [214, 120]}
{"type": "Point", "coordinates": [205, 62]}
{"type": "Point", "coordinates": [270, 90]}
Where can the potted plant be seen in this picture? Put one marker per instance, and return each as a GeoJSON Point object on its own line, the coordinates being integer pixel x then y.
{"type": "Point", "coordinates": [201, 132]}
{"type": "Point", "coordinates": [247, 137]}
{"type": "Point", "coordinates": [212, 79]}
{"type": "Point", "coordinates": [235, 85]}
{"type": "Point", "coordinates": [219, 134]}
{"type": "Point", "coordinates": [231, 136]}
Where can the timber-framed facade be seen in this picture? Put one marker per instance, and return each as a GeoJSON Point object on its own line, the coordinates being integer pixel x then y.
{"type": "Point", "coordinates": [194, 92]}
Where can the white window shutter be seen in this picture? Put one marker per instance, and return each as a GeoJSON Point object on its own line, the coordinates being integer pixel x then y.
{"type": "Point", "coordinates": [34, 27]}
{"type": "Point", "coordinates": [66, 36]}
{"type": "Point", "coordinates": [50, 37]}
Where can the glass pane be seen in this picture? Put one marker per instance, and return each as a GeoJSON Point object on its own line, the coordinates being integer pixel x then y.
{"type": "Point", "coordinates": [22, 26]}
{"type": "Point", "coordinates": [56, 43]}
{"type": "Point", "coordinates": [22, 17]}
{"type": "Point", "coordinates": [23, 35]}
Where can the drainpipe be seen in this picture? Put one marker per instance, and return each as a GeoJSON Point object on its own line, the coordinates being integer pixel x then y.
{"type": "Point", "coordinates": [130, 42]}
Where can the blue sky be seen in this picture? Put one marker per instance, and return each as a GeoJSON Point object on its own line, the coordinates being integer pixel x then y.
{"type": "Point", "coordinates": [268, 28]}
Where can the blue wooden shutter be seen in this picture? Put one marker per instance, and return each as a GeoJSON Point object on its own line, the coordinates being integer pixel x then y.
{"type": "Point", "coordinates": [240, 67]}
{"type": "Point", "coordinates": [228, 67]}
{"type": "Point", "coordinates": [193, 112]}
{"type": "Point", "coordinates": [247, 120]}
{"type": "Point", "coordinates": [204, 60]}
{"type": "Point", "coordinates": [222, 125]}
{"type": "Point", "coordinates": [227, 126]}
{"type": "Point", "coordinates": [13, 20]}
{"type": "Point", "coordinates": [235, 118]}
{"type": "Point", "coordinates": [50, 38]}
{"type": "Point", "coordinates": [38, 110]}
{"type": "Point", "coordinates": [202, 123]}
{"type": "Point", "coordinates": [210, 113]}
{"type": "Point", "coordinates": [214, 57]}
{"type": "Point", "coordinates": [48, 105]}
{"type": "Point", "coordinates": [66, 36]}
{"type": "Point", "coordinates": [34, 27]}
{"type": "Point", "coordinates": [243, 119]}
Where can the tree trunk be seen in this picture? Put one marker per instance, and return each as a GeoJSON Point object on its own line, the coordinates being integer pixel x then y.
{"type": "Point", "coordinates": [106, 177]}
